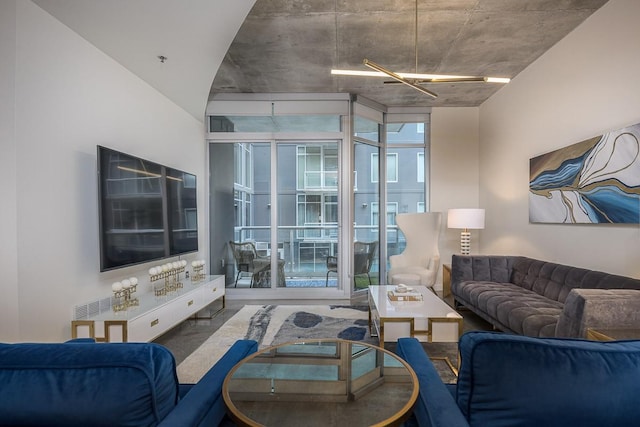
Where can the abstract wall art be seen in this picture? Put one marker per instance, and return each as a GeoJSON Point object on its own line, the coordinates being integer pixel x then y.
{"type": "Point", "coordinates": [593, 181]}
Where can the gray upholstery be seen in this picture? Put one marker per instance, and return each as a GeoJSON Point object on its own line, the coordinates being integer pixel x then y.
{"type": "Point", "coordinates": [536, 298]}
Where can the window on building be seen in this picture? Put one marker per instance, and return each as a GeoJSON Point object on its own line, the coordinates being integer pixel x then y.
{"type": "Point", "coordinates": [317, 185]}
{"type": "Point", "coordinates": [243, 186]}
{"type": "Point", "coordinates": [392, 211]}
{"type": "Point", "coordinates": [420, 167]}
{"type": "Point", "coordinates": [392, 167]}
{"type": "Point", "coordinates": [242, 172]}
{"type": "Point", "coordinates": [315, 212]}
{"type": "Point", "coordinates": [317, 167]}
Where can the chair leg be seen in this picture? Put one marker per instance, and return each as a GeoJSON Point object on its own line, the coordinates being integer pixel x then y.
{"type": "Point", "coordinates": [369, 278]}
{"type": "Point", "coordinates": [326, 281]}
{"type": "Point", "coordinates": [235, 285]}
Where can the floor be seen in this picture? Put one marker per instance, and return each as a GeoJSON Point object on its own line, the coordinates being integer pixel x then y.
{"type": "Point", "coordinates": [190, 334]}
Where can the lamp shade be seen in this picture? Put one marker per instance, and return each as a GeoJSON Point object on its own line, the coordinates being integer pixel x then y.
{"type": "Point", "coordinates": [465, 218]}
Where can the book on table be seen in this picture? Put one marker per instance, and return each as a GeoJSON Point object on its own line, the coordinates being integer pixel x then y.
{"type": "Point", "coordinates": [404, 296]}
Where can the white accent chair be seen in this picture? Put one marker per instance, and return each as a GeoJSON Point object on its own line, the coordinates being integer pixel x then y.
{"type": "Point", "coordinates": [419, 263]}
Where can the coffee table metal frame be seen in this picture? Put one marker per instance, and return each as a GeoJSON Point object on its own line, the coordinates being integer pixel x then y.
{"type": "Point", "coordinates": [408, 312]}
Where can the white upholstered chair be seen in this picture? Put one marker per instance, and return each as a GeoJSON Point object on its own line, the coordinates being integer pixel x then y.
{"type": "Point", "coordinates": [418, 264]}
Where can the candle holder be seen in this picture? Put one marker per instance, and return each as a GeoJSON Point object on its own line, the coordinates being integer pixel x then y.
{"type": "Point", "coordinates": [169, 274]}
{"type": "Point", "coordinates": [123, 294]}
{"type": "Point", "coordinates": [198, 270]}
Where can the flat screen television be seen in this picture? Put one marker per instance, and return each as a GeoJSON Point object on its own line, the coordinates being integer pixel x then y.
{"type": "Point", "coordinates": [147, 211]}
{"type": "Point", "coordinates": [182, 212]}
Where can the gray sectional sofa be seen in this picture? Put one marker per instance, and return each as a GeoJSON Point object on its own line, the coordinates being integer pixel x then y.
{"type": "Point", "coordinates": [537, 298]}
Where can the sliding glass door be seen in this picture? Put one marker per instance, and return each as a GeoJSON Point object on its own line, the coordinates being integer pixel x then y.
{"type": "Point", "coordinates": [366, 215]}
{"type": "Point", "coordinates": [307, 198]}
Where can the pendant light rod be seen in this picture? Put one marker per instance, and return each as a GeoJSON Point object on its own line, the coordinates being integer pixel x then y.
{"type": "Point", "coordinates": [397, 77]}
{"type": "Point", "coordinates": [423, 78]}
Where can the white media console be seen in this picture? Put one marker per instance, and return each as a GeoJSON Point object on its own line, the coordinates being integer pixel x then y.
{"type": "Point", "coordinates": [153, 316]}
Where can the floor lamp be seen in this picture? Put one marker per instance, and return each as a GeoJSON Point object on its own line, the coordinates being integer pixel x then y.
{"type": "Point", "coordinates": [465, 219]}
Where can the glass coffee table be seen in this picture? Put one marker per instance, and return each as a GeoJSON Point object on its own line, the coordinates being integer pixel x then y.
{"type": "Point", "coordinates": [326, 382]}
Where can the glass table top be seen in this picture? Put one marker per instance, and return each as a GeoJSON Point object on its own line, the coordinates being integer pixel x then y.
{"type": "Point", "coordinates": [321, 382]}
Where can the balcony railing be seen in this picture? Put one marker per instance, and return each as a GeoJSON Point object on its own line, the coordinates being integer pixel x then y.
{"type": "Point", "coordinates": [305, 249]}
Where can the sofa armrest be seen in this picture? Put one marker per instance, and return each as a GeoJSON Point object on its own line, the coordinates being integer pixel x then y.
{"type": "Point", "coordinates": [435, 406]}
{"type": "Point", "coordinates": [598, 308]}
{"type": "Point", "coordinates": [203, 404]}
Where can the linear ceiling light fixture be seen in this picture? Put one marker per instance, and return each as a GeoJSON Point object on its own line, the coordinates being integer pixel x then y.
{"type": "Point", "coordinates": [414, 80]}
{"type": "Point", "coordinates": [418, 78]}
{"type": "Point", "coordinates": [398, 77]}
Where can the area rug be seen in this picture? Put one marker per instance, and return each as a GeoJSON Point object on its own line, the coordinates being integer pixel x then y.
{"type": "Point", "coordinates": [277, 324]}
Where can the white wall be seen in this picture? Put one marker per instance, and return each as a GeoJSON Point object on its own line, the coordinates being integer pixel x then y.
{"type": "Point", "coordinates": [454, 171]}
{"type": "Point", "coordinates": [585, 85]}
{"type": "Point", "coordinates": [70, 97]}
{"type": "Point", "coordinates": [8, 213]}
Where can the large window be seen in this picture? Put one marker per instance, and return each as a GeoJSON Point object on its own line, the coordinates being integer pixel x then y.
{"type": "Point", "coordinates": [277, 181]}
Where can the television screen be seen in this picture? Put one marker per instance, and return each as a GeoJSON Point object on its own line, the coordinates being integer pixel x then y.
{"type": "Point", "coordinates": [147, 211]}
{"type": "Point", "coordinates": [183, 213]}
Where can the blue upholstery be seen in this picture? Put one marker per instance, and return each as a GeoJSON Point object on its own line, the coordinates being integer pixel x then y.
{"type": "Point", "coordinates": [435, 402]}
{"type": "Point", "coordinates": [117, 384]}
{"type": "Point", "coordinates": [509, 380]}
{"type": "Point", "coordinates": [202, 404]}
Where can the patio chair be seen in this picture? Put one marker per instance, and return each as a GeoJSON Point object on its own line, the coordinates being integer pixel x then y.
{"type": "Point", "coordinates": [258, 267]}
{"type": "Point", "coordinates": [363, 255]}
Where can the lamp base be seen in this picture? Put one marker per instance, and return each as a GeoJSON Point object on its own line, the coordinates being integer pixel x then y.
{"type": "Point", "coordinates": [465, 242]}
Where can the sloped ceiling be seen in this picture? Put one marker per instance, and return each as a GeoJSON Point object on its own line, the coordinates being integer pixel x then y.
{"type": "Point", "coordinates": [193, 35]}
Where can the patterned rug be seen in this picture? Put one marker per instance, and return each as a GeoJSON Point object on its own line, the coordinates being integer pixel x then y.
{"type": "Point", "coordinates": [277, 324]}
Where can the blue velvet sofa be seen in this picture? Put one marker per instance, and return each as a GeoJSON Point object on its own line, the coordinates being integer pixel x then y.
{"type": "Point", "coordinates": [81, 383]}
{"type": "Point", "coordinates": [511, 380]}
{"type": "Point", "coordinates": [538, 298]}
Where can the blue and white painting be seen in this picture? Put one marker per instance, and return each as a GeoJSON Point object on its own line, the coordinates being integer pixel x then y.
{"type": "Point", "coordinates": [593, 181]}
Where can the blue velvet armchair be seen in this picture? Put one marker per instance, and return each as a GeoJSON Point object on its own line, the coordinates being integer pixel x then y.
{"type": "Point", "coordinates": [81, 383]}
{"type": "Point", "coordinates": [509, 380]}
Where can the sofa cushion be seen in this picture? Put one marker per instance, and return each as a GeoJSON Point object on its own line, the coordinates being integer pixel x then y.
{"type": "Point", "coordinates": [508, 380]}
{"type": "Point", "coordinates": [82, 384]}
{"type": "Point", "coordinates": [516, 309]}
{"type": "Point", "coordinates": [484, 268]}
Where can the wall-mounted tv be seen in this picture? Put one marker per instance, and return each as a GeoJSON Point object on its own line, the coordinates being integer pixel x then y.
{"type": "Point", "coordinates": [147, 211]}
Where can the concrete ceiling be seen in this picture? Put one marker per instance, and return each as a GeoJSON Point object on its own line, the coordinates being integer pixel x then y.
{"type": "Point", "coordinates": [291, 45]}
